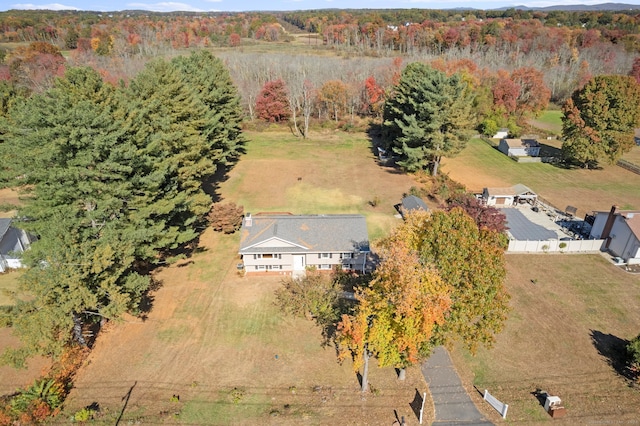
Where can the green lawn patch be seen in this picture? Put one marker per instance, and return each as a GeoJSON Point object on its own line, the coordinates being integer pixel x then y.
{"type": "Point", "coordinates": [552, 117]}
{"type": "Point", "coordinates": [8, 286]}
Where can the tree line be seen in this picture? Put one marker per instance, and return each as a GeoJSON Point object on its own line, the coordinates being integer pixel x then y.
{"type": "Point", "coordinates": [115, 180]}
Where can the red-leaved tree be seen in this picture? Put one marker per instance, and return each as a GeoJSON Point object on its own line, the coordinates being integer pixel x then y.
{"type": "Point", "coordinates": [272, 104]}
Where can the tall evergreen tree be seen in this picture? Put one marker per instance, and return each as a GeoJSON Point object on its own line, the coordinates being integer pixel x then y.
{"type": "Point", "coordinates": [599, 120]}
{"type": "Point", "coordinates": [428, 117]}
{"type": "Point", "coordinates": [165, 121]}
{"type": "Point", "coordinates": [212, 85]}
{"type": "Point", "coordinates": [71, 156]}
{"type": "Point", "coordinates": [113, 179]}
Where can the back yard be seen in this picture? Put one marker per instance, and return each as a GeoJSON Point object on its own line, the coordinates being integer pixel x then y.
{"type": "Point", "coordinates": [215, 350]}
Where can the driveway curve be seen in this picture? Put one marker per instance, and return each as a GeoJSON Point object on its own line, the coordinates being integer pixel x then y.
{"type": "Point", "coordinates": [453, 406]}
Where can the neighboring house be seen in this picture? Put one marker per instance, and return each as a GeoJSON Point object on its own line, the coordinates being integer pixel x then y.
{"type": "Point", "coordinates": [519, 147]}
{"type": "Point", "coordinates": [411, 203]}
{"type": "Point", "coordinates": [508, 196]}
{"type": "Point", "coordinates": [13, 241]}
{"type": "Point", "coordinates": [501, 133]}
{"type": "Point", "coordinates": [621, 231]}
{"type": "Point", "coordinates": [288, 244]}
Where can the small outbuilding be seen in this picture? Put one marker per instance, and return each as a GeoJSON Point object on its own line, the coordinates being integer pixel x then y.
{"type": "Point", "coordinates": [412, 203]}
{"type": "Point", "coordinates": [13, 241]}
{"type": "Point", "coordinates": [519, 147]}
{"type": "Point", "coordinates": [510, 196]}
{"type": "Point", "coordinates": [501, 133]}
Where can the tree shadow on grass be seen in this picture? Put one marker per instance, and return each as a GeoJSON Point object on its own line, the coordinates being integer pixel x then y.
{"type": "Point", "coordinates": [614, 350]}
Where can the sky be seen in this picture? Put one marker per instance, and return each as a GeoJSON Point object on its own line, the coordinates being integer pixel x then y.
{"type": "Point", "coordinates": [247, 5]}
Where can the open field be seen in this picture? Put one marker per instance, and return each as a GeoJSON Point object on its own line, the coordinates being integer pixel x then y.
{"type": "Point", "coordinates": [8, 196]}
{"type": "Point", "coordinates": [571, 314]}
{"type": "Point", "coordinates": [480, 165]}
{"type": "Point", "coordinates": [328, 173]}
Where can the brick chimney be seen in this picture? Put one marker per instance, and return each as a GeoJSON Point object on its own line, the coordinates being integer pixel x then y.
{"type": "Point", "coordinates": [608, 225]}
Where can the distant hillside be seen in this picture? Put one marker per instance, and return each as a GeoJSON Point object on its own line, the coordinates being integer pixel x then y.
{"type": "Point", "coordinates": [580, 7]}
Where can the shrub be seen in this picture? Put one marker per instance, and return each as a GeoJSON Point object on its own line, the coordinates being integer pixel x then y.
{"type": "Point", "coordinates": [315, 294]}
{"type": "Point", "coordinates": [633, 350]}
{"type": "Point", "coordinates": [488, 127]}
{"type": "Point", "coordinates": [84, 415]}
{"type": "Point", "coordinates": [226, 217]}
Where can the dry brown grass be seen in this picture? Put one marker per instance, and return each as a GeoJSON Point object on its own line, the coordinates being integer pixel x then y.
{"type": "Point", "coordinates": [567, 309]}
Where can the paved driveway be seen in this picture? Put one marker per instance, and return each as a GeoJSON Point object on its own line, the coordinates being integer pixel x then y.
{"type": "Point", "coordinates": [453, 405]}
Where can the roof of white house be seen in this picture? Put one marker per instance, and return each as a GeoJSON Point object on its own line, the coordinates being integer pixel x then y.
{"type": "Point", "coordinates": [519, 143]}
{"type": "Point", "coordinates": [5, 224]}
{"type": "Point", "coordinates": [303, 234]}
{"type": "Point", "coordinates": [518, 189]}
{"type": "Point", "coordinates": [634, 224]}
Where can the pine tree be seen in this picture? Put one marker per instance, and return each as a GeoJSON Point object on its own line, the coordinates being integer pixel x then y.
{"type": "Point", "coordinates": [212, 85]}
{"type": "Point", "coordinates": [165, 121]}
{"type": "Point", "coordinates": [68, 149]}
{"type": "Point", "coordinates": [428, 117]}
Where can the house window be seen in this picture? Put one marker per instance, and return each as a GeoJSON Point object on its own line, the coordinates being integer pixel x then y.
{"type": "Point", "coordinates": [267, 256]}
{"type": "Point", "coordinates": [274, 266]}
{"type": "Point", "coordinates": [260, 267]}
{"type": "Point", "coordinates": [325, 266]}
{"type": "Point", "coordinates": [346, 255]}
{"type": "Point", "coordinates": [324, 256]}
{"type": "Point", "coordinates": [257, 256]}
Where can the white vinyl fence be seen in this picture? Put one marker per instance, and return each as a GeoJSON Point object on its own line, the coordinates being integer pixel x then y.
{"type": "Point", "coordinates": [553, 246]}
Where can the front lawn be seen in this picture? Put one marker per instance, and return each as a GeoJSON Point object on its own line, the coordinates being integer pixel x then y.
{"type": "Point", "coordinates": [571, 316]}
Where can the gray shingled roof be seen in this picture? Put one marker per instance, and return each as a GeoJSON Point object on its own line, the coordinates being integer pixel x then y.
{"type": "Point", "coordinates": [4, 226]}
{"type": "Point", "coordinates": [411, 202]}
{"type": "Point", "coordinates": [312, 233]}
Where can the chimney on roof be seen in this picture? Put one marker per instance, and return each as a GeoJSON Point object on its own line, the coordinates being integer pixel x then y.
{"type": "Point", "coordinates": [608, 225]}
{"type": "Point", "coordinates": [248, 220]}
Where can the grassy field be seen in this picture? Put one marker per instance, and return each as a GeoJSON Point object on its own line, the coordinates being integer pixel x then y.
{"type": "Point", "coordinates": [549, 121]}
{"type": "Point", "coordinates": [571, 315]}
{"type": "Point", "coordinates": [328, 173]}
{"type": "Point", "coordinates": [480, 165]}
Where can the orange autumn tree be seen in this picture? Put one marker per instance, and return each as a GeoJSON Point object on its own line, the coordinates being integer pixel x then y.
{"type": "Point", "coordinates": [441, 278]}
{"type": "Point", "coordinates": [396, 314]}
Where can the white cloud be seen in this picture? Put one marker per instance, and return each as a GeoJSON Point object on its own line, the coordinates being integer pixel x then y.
{"type": "Point", "coordinates": [168, 6]}
{"type": "Point", "coordinates": [51, 6]}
